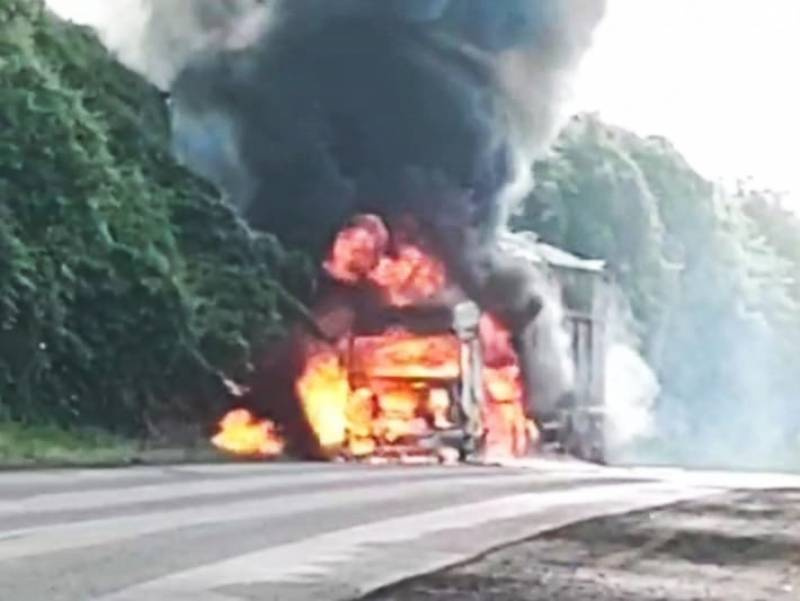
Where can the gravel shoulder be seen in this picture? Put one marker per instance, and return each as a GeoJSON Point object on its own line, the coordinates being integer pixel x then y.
{"type": "Point", "coordinates": [742, 546]}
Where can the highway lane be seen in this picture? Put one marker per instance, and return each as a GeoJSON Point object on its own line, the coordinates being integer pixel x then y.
{"type": "Point", "coordinates": [286, 531]}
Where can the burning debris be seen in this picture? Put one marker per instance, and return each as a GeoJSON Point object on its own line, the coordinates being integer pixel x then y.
{"type": "Point", "coordinates": [242, 434]}
{"type": "Point", "coordinates": [391, 138]}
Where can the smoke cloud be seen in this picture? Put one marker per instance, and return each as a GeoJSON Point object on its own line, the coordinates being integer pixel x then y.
{"type": "Point", "coordinates": [158, 38]}
{"type": "Point", "coordinates": [631, 385]}
{"type": "Point", "coordinates": [354, 93]}
{"type": "Point", "coordinates": [337, 102]}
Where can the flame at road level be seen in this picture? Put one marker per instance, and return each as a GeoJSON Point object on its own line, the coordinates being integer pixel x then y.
{"type": "Point", "coordinates": [324, 391]}
{"type": "Point", "coordinates": [508, 431]}
{"type": "Point", "coordinates": [244, 435]}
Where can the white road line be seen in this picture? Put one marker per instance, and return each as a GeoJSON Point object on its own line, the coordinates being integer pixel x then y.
{"type": "Point", "coordinates": [110, 497]}
{"type": "Point", "coordinates": [334, 556]}
{"type": "Point", "coordinates": [40, 540]}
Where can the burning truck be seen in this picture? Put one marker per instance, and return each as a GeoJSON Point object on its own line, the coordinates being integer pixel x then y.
{"type": "Point", "coordinates": [390, 139]}
{"type": "Point", "coordinates": [401, 365]}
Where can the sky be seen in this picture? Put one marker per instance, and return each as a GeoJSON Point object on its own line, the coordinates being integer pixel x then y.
{"type": "Point", "coordinates": [81, 11]}
{"type": "Point", "coordinates": [720, 78]}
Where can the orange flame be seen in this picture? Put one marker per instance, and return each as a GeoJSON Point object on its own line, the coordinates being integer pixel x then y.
{"type": "Point", "coordinates": [400, 354]}
{"type": "Point", "coordinates": [439, 408]}
{"type": "Point", "coordinates": [409, 276]}
{"type": "Point", "coordinates": [243, 435]}
{"type": "Point", "coordinates": [324, 391]}
{"type": "Point", "coordinates": [509, 433]}
{"type": "Point", "coordinates": [358, 249]}
{"type": "Point", "coordinates": [404, 273]}
{"type": "Point", "coordinates": [507, 427]}
{"type": "Point", "coordinates": [360, 422]}
{"type": "Point", "coordinates": [503, 384]}
{"type": "Point", "coordinates": [399, 418]}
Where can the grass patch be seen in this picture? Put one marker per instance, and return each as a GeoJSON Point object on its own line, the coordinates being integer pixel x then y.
{"type": "Point", "coordinates": [44, 446]}
{"type": "Point", "coordinates": [26, 446]}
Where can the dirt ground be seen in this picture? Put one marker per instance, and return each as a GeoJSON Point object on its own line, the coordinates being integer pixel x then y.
{"type": "Point", "coordinates": [738, 547]}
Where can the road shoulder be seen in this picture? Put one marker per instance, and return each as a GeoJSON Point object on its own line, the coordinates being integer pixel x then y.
{"type": "Point", "coordinates": [740, 546]}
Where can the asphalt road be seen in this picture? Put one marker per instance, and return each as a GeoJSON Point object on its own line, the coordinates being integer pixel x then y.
{"type": "Point", "coordinates": [292, 532]}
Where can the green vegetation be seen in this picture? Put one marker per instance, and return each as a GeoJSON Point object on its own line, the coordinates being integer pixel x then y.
{"type": "Point", "coordinates": [126, 286]}
{"type": "Point", "coordinates": [712, 277]}
{"type": "Point", "coordinates": [22, 446]}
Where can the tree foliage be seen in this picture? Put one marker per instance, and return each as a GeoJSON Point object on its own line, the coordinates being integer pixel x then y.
{"type": "Point", "coordinates": [126, 285]}
{"type": "Point", "coordinates": [712, 276]}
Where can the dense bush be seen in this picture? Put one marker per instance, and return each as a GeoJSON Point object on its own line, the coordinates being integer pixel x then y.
{"type": "Point", "coordinates": [126, 286]}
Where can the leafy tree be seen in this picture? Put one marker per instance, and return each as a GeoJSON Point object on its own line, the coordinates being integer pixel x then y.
{"type": "Point", "coordinates": [126, 286]}
{"type": "Point", "coordinates": [593, 199]}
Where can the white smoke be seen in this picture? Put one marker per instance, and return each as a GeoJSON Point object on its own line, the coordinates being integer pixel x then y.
{"type": "Point", "coordinates": [157, 38]}
{"type": "Point", "coordinates": [549, 365]}
{"type": "Point", "coordinates": [631, 390]}
{"type": "Point", "coordinates": [539, 80]}
{"type": "Point", "coordinates": [552, 365]}
{"type": "Point", "coordinates": [631, 386]}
